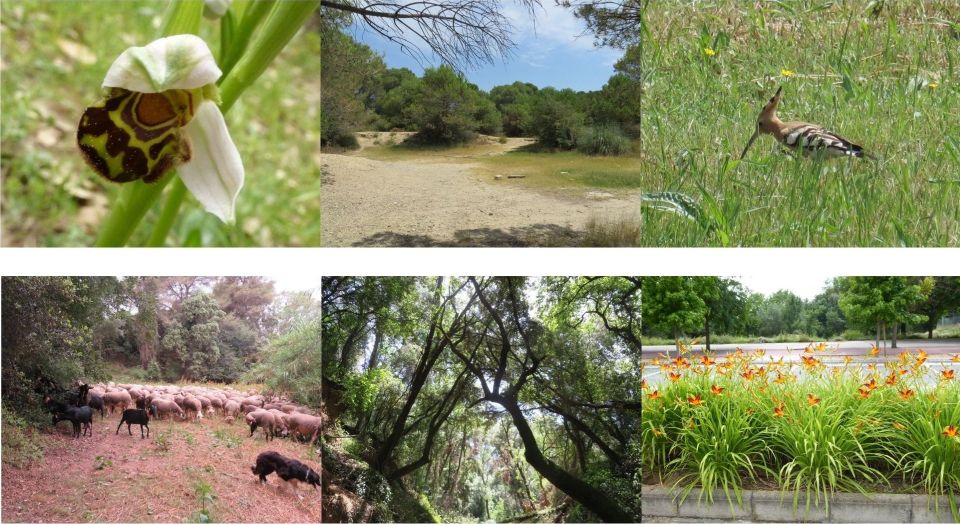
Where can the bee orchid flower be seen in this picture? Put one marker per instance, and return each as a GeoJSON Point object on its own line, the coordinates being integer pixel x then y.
{"type": "Point", "coordinates": [160, 112]}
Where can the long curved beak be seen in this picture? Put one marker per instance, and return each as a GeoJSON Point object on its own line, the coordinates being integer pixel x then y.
{"type": "Point", "coordinates": [756, 133]}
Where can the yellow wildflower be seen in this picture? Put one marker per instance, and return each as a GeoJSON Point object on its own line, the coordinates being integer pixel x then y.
{"type": "Point", "coordinates": [933, 85]}
{"type": "Point", "coordinates": [709, 52]}
{"type": "Point", "coordinates": [787, 73]}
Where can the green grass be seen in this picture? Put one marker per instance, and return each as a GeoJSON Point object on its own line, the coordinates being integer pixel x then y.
{"type": "Point", "coordinates": [539, 168]}
{"type": "Point", "coordinates": [884, 78]}
{"type": "Point", "coordinates": [54, 61]}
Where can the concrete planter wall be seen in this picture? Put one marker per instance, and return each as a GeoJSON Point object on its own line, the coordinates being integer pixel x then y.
{"type": "Point", "coordinates": [765, 506]}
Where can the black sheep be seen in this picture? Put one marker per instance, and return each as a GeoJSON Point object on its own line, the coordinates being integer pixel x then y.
{"type": "Point", "coordinates": [76, 416]}
{"type": "Point", "coordinates": [96, 402]}
{"type": "Point", "coordinates": [135, 416]}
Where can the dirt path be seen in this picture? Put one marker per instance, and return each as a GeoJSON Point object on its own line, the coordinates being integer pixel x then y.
{"type": "Point", "coordinates": [421, 203]}
{"type": "Point", "coordinates": [142, 483]}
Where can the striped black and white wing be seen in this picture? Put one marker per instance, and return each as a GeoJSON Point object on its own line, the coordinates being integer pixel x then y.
{"type": "Point", "coordinates": [810, 139]}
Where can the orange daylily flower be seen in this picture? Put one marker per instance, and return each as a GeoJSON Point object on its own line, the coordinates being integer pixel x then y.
{"type": "Point", "coordinates": [695, 400]}
{"type": "Point", "coordinates": [748, 374]}
{"type": "Point", "coordinates": [864, 392]}
{"type": "Point", "coordinates": [921, 358]}
{"type": "Point", "coordinates": [675, 376]}
{"type": "Point", "coordinates": [655, 395]}
{"type": "Point", "coordinates": [872, 385]}
{"type": "Point", "coordinates": [950, 431]}
{"type": "Point", "coordinates": [821, 346]}
{"type": "Point", "coordinates": [780, 378]}
{"type": "Point", "coordinates": [761, 372]}
{"type": "Point", "coordinates": [778, 410]}
{"type": "Point", "coordinates": [643, 384]}
{"type": "Point", "coordinates": [810, 362]}
{"type": "Point", "coordinates": [874, 351]}
{"type": "Point", "coordinates": [892, 379]}
{"type": "Point", "coordinates": [905, 394]}
{"type": "Point", "coordinates": [716, 390]}
{"type": "Point", "coordinates": [947, 374]}
{"type": "Point", "coordinates": [681, 362]}
{"type": "Point", "coordinates": [808, 349]}
{"type": "Point", "coordinates": [847, 359]}
{"type": "Point", "coordinates": [707, 361]}
{"type": "Point", "coordinates": [759, 353]}
{"type": "Point", "coordinates": [812, 399]}
{"type": "Point", "coordinates": [955, 358]}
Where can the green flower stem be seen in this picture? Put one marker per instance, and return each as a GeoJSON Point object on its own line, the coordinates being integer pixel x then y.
{"type": "Point", "coordinates": [254, 13]}
{"type": "Point", "coordinates": [284, 21]}
{"type": "Point", "coordinates": [183, 17]}
{"type": "Point", "coordinates": [171, 209]}
{"type": "Point", "coordinates": [136, 198]}
{"type": "Point", "coordinates": [286, 18]}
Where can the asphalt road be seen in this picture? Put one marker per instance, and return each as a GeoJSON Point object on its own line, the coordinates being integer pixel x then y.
{"type": "Point", "coordinates": [850, 347]}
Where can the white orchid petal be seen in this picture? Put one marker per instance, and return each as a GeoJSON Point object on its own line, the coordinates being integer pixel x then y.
{"type": "Point", "coordinates": [174, 62]}
{"type": "Point", "coordinates": [214, 173]}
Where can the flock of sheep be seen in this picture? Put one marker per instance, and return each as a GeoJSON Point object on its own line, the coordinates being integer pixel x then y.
{"type": "Point", "coordinates": [275, 414]}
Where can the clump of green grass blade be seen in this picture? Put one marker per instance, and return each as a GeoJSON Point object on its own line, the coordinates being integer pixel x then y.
{"type": "Point", "coordinates": [928, 457]}
{"type": "Point", "coordinates": [719, 446]}
{"type": "Point", "coordinates": [830, 446]}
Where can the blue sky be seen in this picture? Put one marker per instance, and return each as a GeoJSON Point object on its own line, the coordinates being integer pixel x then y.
{"type": "Point", "coordinates": [552, 50]}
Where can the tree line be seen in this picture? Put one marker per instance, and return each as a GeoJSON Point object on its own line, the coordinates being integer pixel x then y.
{"type": "Point", "coordinates": [675, 307]}
{"type": "Point", "coordinates": [57, 330]}
{"type": "Point", "coordinates": [361, 93]}
{"type": "Point", "coordinates": [536, 378]}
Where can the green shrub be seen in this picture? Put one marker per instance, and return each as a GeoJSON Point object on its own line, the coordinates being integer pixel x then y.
{"type": "Point", "coordinates": [602, 140]}
{"type": "Point", "coordinates": [22, 445]}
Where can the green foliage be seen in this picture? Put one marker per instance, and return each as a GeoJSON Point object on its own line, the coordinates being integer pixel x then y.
{"type": "Point", "coordinates": [673, 304]}
{"type": "Point", "coordinates": [22, 444]}
{"type": "Point", "coordinates": [101, 462]}
{"type": "Point", "coordinates": [229, 440]}
{"type": "Point", "coordinates": [603, 140]}
{"type": "Point", "coordinates": [153, 371]}
{"type": "Point", "coordinates": [162, 441]}
{"type": "Point", "coordinates": [193, 336]}
{"type": "Point", "coordinates": [554, 120]}
{"type": "Point", "coordinates": [449, 110]}
{"type": "Point", "coordinates": [205, 496]}
{"type": "Point", "coordinates": [291, 363]}
{"type": "Point", "coordinates": [816, 432]}
{"type": "Point", "coordinates": [362, 389]}
{"type": "Point", "coordinates": [47, 335]}
{"type": "Point", "coordinates": [428, 509]}
{"type": "Point", "coordinates": [876, 301]}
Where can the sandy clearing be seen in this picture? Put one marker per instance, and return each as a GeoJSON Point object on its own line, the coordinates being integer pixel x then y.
{"type": "Point", "coordinates": [145, 484]}
{"type": "Point", "coordinates": [412, 203]}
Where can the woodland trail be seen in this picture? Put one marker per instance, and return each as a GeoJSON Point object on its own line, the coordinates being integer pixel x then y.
{"type": "Point", "coordinates": [143, 483]}
{"type": "Point", "coordinates": [412, 203]}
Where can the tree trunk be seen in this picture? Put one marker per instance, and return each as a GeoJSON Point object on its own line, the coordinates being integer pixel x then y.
{"type": "Point", "coordinates": [893, 335]}
{"type": "Point", "coordinates": [706, 327]}
{"type": "Point", "coordinates": [591, 498]}
{"type": "Point", "coordinates": [377, 343]}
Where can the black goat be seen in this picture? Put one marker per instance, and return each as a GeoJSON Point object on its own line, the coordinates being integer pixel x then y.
{"type": "Point", "coordinates": [96, 403]}
{"type": "Point", "coordinates": [135, 416]}
{"type": "Point", "coordinates": [53, 405]}
{"type": "Point", "coordinates": [76, 416]}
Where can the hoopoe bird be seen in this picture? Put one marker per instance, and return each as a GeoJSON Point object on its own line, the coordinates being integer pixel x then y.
{"type": "Point", "coordinates": [802, 136]}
